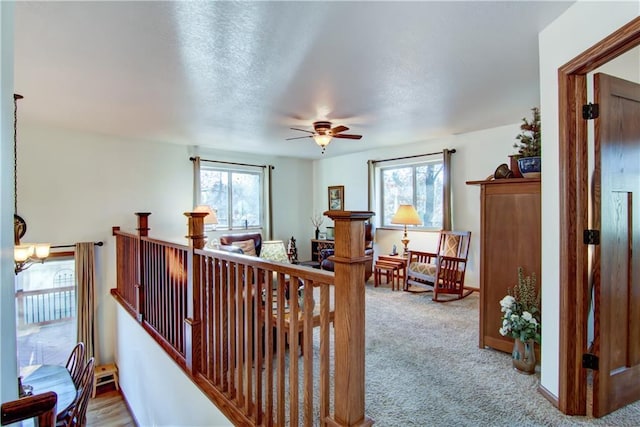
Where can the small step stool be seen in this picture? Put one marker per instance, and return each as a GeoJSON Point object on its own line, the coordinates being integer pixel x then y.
{"type": "Point", "coordinates": [105, 374]}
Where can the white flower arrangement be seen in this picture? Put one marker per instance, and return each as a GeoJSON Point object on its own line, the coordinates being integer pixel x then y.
{"type": "Point", "coordinates": [521, 316]}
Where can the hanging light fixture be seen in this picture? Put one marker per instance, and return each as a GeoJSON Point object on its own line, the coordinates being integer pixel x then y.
{"type": "Point", "coordinates": [24, 254]}
{"type": "Point", "coordinates": [322, 140]}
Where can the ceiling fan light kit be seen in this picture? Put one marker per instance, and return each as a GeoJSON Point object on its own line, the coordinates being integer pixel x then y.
{"type": "Point", "coordinates": [323, 133]}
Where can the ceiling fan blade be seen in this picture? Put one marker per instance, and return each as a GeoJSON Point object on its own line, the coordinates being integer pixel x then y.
{"type": "Point", "coordinates": [336, 130]}
{"type": "Point", "coordinates": [299, 137]}
{"type": "Point", "coordinates": [347, 136]}
{"type": "Point", "coordinates": [302, 130]}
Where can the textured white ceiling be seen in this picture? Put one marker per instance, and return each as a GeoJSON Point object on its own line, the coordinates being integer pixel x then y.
{"type": "Point", "coordinates": [237, 75]}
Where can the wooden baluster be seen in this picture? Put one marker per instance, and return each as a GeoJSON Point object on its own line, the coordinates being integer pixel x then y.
{"type": "Point", "coordinates": [143, 231]}
{"type": "Point", "coordinates": [349, 323]}
{"type": "Point", "coordinates": [193, 323]}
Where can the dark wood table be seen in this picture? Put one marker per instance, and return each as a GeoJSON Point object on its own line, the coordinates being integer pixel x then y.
{"type": "Point", "coordinates": [51, 378]}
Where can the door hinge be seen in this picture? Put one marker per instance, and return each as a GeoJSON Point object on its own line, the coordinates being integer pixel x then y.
{"type": "Point", "coordinates": [590, 361]}
{"type": "Point", "coordinates": [590, 111]}
{"type": "Point", "coordinates": [591, 237]}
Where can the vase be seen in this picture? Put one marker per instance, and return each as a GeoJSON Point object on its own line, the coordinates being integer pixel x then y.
{"type": "Point", "coordinates": [530, 167]}
{"type": "Point", "coordinates": [524, 357]}
{"type": "Point", "coordinates": [317, 233]}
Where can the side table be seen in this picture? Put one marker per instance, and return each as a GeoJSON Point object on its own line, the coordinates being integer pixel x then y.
{"type": "Point", "coordinates": [392, 264]}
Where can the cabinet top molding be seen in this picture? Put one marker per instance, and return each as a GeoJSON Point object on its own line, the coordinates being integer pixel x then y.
{"type": "Point", "coordinates": [503, 181]}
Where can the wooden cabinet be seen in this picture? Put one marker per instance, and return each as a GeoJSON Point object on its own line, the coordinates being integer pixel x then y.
{"type": "Point", "coordinates": [510, 234]}
{"type": "Point", "coordinates": [317, 246]}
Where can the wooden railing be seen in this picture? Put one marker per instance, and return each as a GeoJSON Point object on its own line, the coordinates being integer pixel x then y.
{"type": "Point", "coordinates": [239, 326]}
{"type": "Point", "coordinates": [45, 306]}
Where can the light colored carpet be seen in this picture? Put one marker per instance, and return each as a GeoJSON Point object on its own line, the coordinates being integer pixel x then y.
{"type": "Point", "coordinates": [424, 368]}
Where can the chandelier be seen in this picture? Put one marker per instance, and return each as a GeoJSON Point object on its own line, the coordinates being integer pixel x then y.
{"type": "Point", "coordinates": [24, 254]}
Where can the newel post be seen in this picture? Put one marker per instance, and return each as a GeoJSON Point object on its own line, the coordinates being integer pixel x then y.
{"type": "Point", "coordinates": [349, 261]}
{"type": "Point", "coordinates": [192, 323]}
{"type": "Point", "coordinates": [143, 231]}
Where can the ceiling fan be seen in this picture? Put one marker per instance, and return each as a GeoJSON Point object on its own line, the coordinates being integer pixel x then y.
{"type": "Point", "coordinates": [323, 133]}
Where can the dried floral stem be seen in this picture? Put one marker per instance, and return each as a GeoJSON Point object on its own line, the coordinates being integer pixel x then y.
{"type": "Point", "coordinates": [317, 220]}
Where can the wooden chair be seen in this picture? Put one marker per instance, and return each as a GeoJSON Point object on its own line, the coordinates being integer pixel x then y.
{"type": "Point", "coordinates": [77, 414]}
{"type": "Point", "coordinates": [40, 406]}
{"type": "Point", "coordinates": [443, 271]}
{"type": "Point", "coordinates": [75, 363]}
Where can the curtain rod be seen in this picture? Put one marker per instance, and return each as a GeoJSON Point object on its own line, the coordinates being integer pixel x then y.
{"type": "Point", "coordinates": [73, 246]}
{"type": "Point", "coordinates": [411, 157]}
{"type": "Point", "coordinates": [232, 163]}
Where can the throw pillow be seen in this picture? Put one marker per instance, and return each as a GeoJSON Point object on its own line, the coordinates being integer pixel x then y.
{"type": "Point", "coordinates": [247, 246]}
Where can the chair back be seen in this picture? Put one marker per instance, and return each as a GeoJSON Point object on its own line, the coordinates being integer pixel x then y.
{"type": "Point", "coordinates": [75, 363]}
{"type": "Point", "coordinates": [78, 412]}
{"type": "Point", "coordinates": [368, 235]}
{"type": "Point", "coordinates": [454, 244]}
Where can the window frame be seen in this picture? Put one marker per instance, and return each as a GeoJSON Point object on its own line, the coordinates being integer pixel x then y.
{"type": "Point", "coordinates": [229, 196]}
{"type": "Point", "coordinates": [380, 190]}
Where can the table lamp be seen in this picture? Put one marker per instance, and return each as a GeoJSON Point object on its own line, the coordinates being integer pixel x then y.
{"type": "Point", "coordinates": [406, 215]}
{"type": "Point", "coordinates": [211, 219]}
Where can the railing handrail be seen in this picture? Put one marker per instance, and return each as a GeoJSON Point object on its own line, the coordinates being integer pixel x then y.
{"type": "Point", "coordinates": [300, 271]}
{"type": "Point", "coordinates": [45, 291]}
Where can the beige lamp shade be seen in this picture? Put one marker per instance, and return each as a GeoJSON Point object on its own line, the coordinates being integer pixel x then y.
{"type": "Point", "coordinates": [406, 215]}
{"type": "Point", "coordinates": [42, 250]}
{"type": "Point", "coordinates": [211, 218]}
{"type": "Point", "coordinates": [21, 253]}
{"type": "Point", "coordinates": [322, 140]}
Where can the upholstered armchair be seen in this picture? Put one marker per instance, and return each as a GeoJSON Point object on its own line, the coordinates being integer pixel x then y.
{"type": "Point", "coordinates": [327, 264]}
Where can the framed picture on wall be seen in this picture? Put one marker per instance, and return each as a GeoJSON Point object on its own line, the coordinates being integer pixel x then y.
{"type": "Point", "coordinates": [336, 198]}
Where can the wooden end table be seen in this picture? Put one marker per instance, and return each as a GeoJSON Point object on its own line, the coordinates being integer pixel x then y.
{"type": "Point", "coordinates": [400, 264]}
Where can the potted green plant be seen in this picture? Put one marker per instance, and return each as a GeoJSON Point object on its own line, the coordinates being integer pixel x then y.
{"type": "Point", "coordinates": [529, 146]}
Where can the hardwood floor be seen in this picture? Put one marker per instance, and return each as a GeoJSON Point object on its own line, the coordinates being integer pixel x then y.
{"type": "Point", "coordinates": [109, 409]}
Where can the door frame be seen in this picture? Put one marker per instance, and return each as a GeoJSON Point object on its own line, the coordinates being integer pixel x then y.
{"type": "Point", "coordinates": [574, 199]}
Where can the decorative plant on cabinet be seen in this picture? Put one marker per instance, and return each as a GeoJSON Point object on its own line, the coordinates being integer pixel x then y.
{"type": "Point", "coordinates": [529, 146]}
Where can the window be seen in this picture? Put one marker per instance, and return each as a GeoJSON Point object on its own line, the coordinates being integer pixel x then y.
{"type": "Point", "coordinates": [418, 184]}
{"type": "Point", "coordinates": [236, 195]}
{"type": "Point", "coordinates": [46, 312]}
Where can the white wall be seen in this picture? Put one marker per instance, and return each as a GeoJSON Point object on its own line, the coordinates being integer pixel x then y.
{"type": "Point", "coordinates": [579, 28]}
{"type": "Point", "coordinates": [75, 186]}
{"type": "Point", "coordinates": [166, 397]}
{"type": "Point", "coordinates": [477, 156]}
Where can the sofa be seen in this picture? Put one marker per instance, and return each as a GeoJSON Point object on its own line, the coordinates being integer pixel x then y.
{"type": "Point", "coordinates": [327, 264]}
{"type": "Point", "coordinates": [239, 243]}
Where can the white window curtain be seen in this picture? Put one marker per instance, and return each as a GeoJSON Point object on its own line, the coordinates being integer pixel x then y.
{"type": "Point", "coordinates": [85, 300]}
{"type": "Point", "coordinates": [196, 181]}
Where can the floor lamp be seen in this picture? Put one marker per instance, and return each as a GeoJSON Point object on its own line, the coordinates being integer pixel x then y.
{"type": "Point", "coordinates": [406, 215]}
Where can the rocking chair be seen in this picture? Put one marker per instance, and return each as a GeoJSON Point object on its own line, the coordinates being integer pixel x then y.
{"type": "Point", "coordinates": [443, 271]}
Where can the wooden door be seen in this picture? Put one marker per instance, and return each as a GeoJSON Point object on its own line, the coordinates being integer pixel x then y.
{"type": "Point", "coordinates": [617, 273]}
